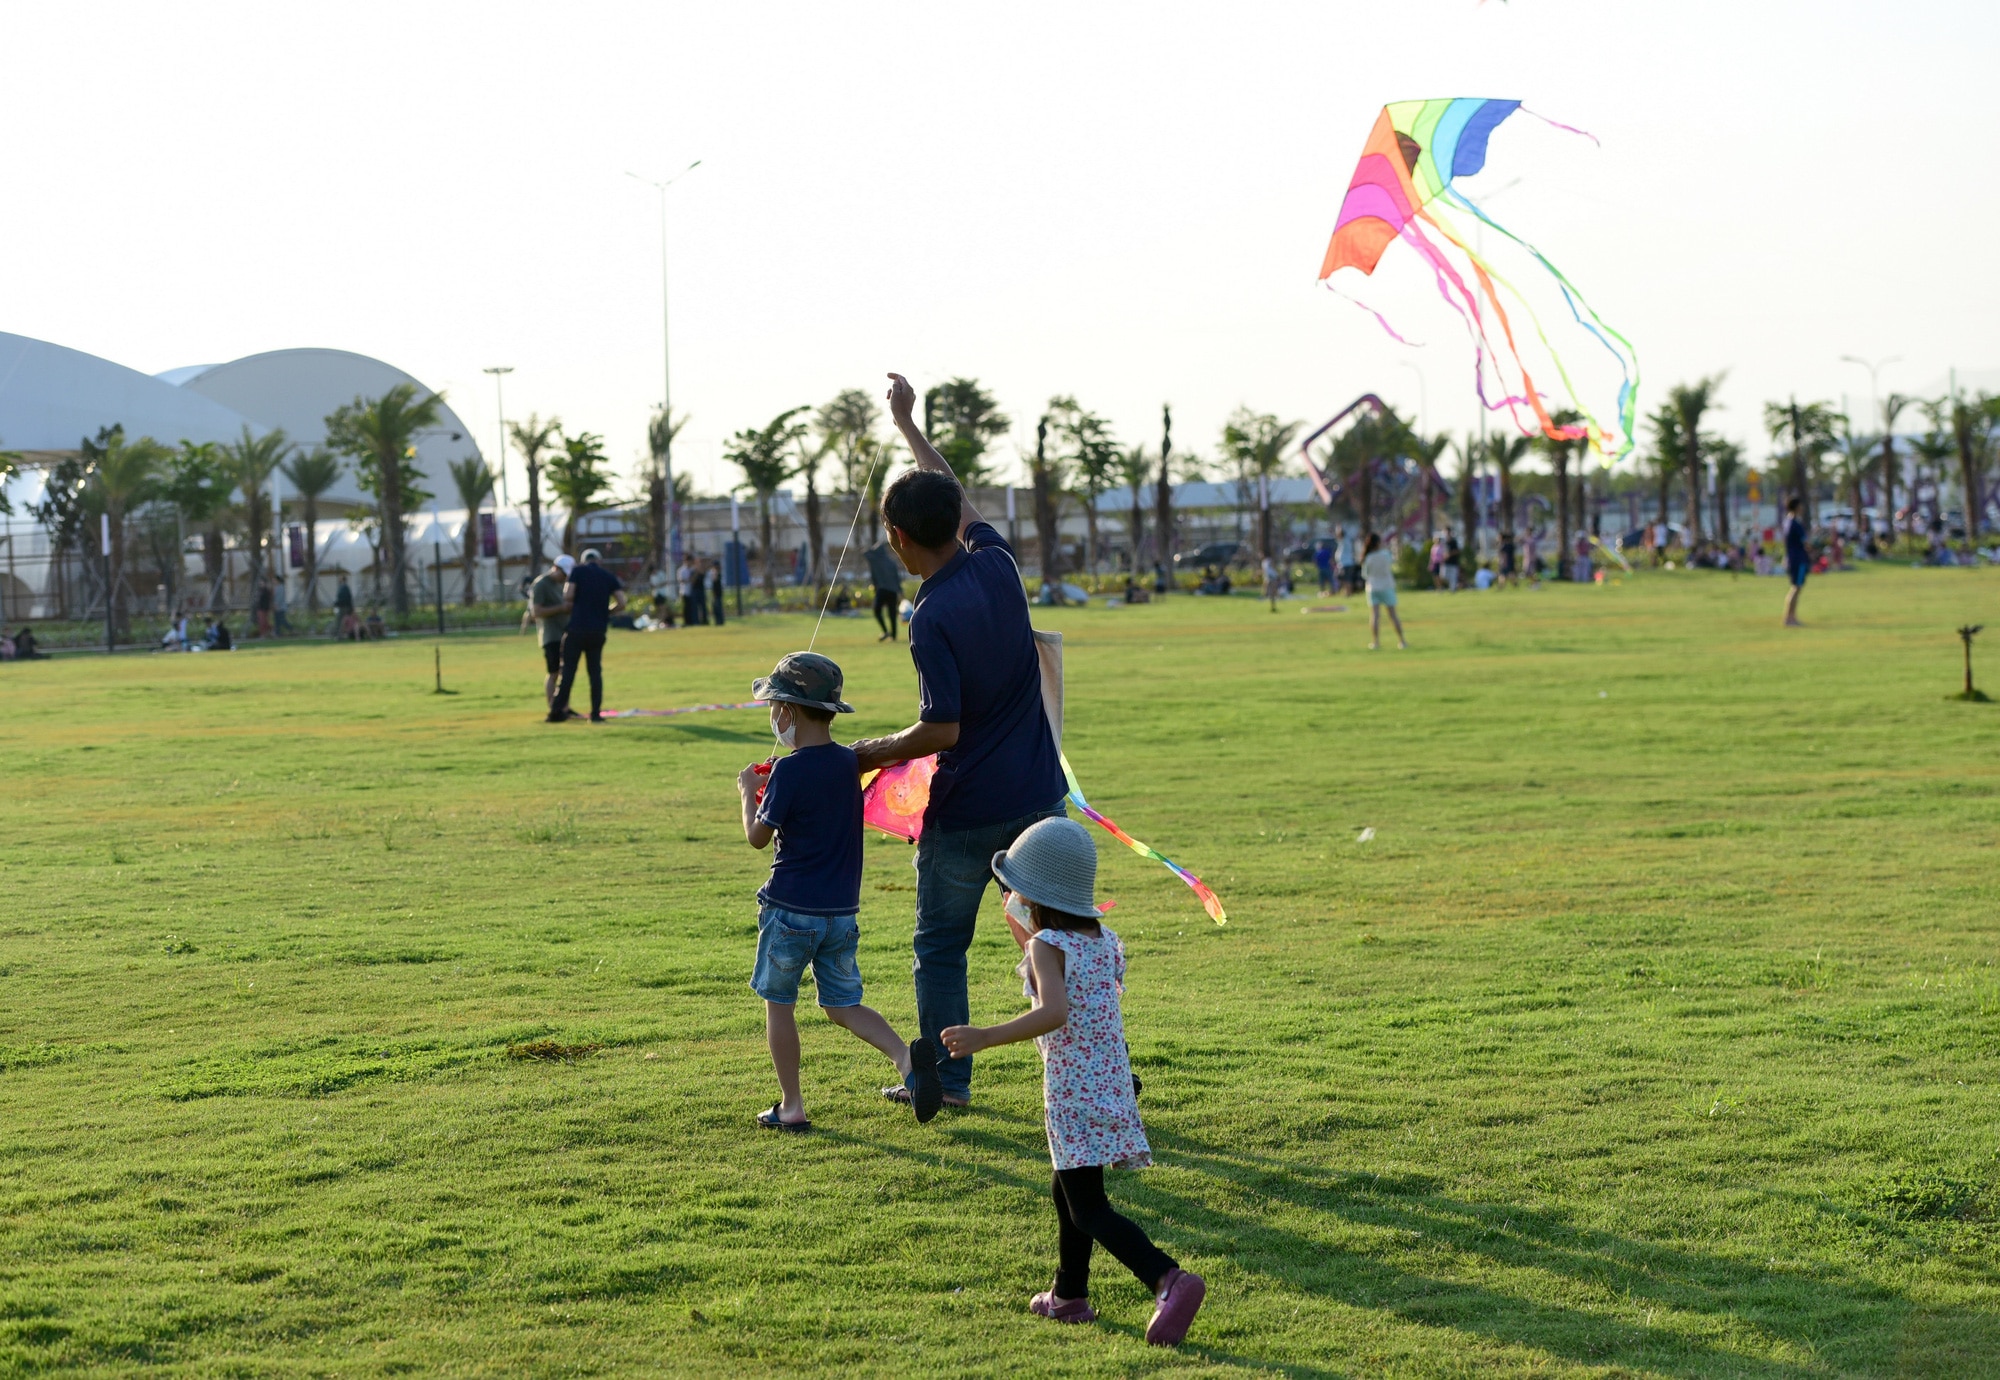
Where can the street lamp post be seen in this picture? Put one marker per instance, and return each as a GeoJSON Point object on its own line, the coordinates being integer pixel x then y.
{"type": "Point", "coordinates": [499, 372]}
{"type": "Point", "coordinates": [666, 385]}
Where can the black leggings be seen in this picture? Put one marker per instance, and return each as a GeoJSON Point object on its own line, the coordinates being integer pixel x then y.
{"type": "Point", "coordinates": [588, 648]}
{"type": "Point", "coordinates": [888, 606]}
{"type": "Point", "coordinates": [1084, 1217]}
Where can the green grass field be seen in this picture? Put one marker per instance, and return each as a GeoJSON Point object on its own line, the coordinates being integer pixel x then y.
{"type": "Point", "coordinates": [1655, 1032]}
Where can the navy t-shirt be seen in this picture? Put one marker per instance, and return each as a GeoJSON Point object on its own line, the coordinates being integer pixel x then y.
{"type": "Point", "coordinates": [813, 799]}
{"type": "Point", "coordinates": [976, 667]}
{"type": "Point", "coordinates": [1795, 544]}
{"type": "Point", "coordinates": [592, 587]}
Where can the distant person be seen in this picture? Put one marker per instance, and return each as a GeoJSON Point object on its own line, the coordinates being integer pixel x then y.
{"type": "Point", "coordinates": [661, 584]}
{"type": "Point", "coordinates": [343, 611]}
{"type": "Point", "coordinates": [887, 574]}
{"type": "Point", "coordinates": [1454, 562]}
{"type": "Point", "coordinates": [280, 609]}
{"type": "Point", "coordinates": [549, 608]}
{"type": "Point", "coordinates": [1378, 572]}
{"type": "Point", "coordinates": [217, 638]}
{"type": "Point", "coordinates": [691, 609]}
{"type": "Point", "coordinates": [1160, 580]}
{"type": "Point", "coordinates": [1798, 560]}
{"type": "Point", "coordinates": [1270, 572]}
{"type": "Point", "coordinates": [265, 602]}
{"type": "Point", "coordinates": [373, 630]}
{"type": "Point", "coordinates": [1349, 564]}
{"type": "Point", "coordinates": [27, 649]}
{"type": "Point", "coordinates": [1323, 563]}
{"type": "Point", "coordinates": [593, 594]}
{"type": "Point", "coordinates": [715, 590]}
{"type": "Point", "coordinates": [810, 803]}
{"type": "Point", "coordinates": [1508, 569]}
{"type": "Point", "coordinates": [176, 637]}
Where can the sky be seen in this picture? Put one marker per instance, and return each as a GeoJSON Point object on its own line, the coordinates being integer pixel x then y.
{"type": "Point", "coordinates": [1127, 203]}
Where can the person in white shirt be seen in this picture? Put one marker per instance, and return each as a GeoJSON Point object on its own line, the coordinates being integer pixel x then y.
{"type": "Point", "coordinates": [1271, 582]}
{"type": "Point", "coordinates": [1378, 572]}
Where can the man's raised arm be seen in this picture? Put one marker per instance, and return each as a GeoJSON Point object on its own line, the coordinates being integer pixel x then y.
{"type": "Point", "coordinates": [902, 401]}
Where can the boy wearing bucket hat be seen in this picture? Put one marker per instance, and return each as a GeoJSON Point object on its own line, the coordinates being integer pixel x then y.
{"type": "Point", "coordinates": [810, 803]}
{"type": "Point", "coordinates": [1074, 970]}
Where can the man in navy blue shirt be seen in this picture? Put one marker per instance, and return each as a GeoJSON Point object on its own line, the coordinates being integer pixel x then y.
{"type": "Point", "coordinates": [593, 594]}
{"type": "Point", "coordinates": [1798, 560]}
{"type": "Point", "coordinates": [980, 710]}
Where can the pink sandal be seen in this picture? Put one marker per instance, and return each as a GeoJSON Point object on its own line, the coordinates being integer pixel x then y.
{"type": "Point", "coordinates": [1047, 1305]}
{"type": "Point", "coordinates": [1179, 1301]}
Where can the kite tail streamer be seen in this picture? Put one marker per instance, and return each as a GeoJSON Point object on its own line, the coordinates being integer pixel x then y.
{"type": "Point", "coordinates": [1571, 129]}
{"type": "Point", "coordinates": [1210, 902]}
{"type": "Point", "coordinates": [1380, 319]}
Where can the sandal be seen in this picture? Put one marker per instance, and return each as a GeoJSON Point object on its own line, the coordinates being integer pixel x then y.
{"type": "Point", "coordinates": [1047, 1305]}
{"type": "Point", "coordinates": [1181, 1293]}
{"type": "Point", "coordinates": [770, 1122]}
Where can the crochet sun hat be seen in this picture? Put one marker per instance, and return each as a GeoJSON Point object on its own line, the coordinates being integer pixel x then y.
{"type": "Point", "coordinates": [1054, 864]}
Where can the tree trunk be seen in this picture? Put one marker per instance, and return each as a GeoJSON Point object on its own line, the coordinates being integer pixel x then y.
{"type": "Point", "coordinates": [1693, 445]}
{"type": "Point", "coordinates": [1137, 530]}
{"type": "Point", "coordinates": [1090, 557]}
{"type": "Point", "coordinates": [815, 540]}
{"type": "Point", "coordinates": [311, 515]}
{"type": "Point", "coordinates": [656, 515]}
{"type": "Point", "coordinates": [764, 532]}
{"type": "Point", "coordinates": [1559, 458]}
{"type": "Point", "coordinates": [471, 553]}
{"type": "Point", "coordinates": [1968, 468]}
{"type": "Point", "coordinates": [535, 558]}
{"type": "Point", "coordinates": [1721, 510]}
{"type": "Point", "coordinates": [1889, 480]}
{"type": "Point", "coordinates": [1163, 513]}
{"type": "Point", "coordinates": [1046, 534]}
{"type": "Point", "coordinates": [1799, 485]}
{"type": "Point", "coordinates": [1506, 504]}
{"type": "Point", "coordinates": [392, 532]}
{"type": "Point", "coordinates": [114, 578]}
{"type": "Point", "coordinates": [211, 567]}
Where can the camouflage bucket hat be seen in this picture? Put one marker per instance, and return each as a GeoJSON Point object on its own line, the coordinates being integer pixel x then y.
{"type": "Point", "coordinates": [804, 678]}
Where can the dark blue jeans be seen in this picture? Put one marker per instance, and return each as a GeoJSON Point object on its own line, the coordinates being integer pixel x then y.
{"type": "Point", "coordinates": [954, 868]}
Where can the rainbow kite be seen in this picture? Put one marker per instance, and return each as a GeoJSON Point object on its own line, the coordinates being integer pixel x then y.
{"type": "Point", "coordinates": [895, 797]}
{"type": "Point", "coordinates": [1399, 190]}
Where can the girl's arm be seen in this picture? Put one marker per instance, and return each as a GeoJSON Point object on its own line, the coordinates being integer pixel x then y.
{"type": "Point", "coordinates": [1050, 1011]}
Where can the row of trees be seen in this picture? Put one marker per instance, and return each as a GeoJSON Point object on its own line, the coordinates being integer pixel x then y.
{"type": "Point", "coordinates": [1815, 446]}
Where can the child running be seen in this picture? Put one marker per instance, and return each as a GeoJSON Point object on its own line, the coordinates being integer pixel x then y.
{"type": "Point", "coordinates": [811, 803]}
{"type": "Point", "coordinates": [1074, 970]}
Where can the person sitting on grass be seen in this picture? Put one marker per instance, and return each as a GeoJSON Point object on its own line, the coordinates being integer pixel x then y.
{"type": "Point", "coordinates": [1073, 969]}
{"type": "Point", "coordinates": [811, 804]}
{"type": "Point", "coordinates": [217, 638]}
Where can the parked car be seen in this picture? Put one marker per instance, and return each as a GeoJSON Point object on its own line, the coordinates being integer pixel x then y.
{"type": "Point", "coordinates": [1216, 553]}
{"type": "Point", "coordinates": [1635, 540]}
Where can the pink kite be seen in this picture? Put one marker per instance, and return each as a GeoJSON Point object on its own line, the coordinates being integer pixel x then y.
{"type": "Point", "coordinates": [894, 800]}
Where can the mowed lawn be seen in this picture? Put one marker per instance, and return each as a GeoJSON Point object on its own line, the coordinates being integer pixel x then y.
{"type": "Point", "coordinates": [1656, 1031]}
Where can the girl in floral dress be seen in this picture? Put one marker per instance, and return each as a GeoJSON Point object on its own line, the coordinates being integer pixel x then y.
{"type": "Point", "coordinates": [1074, 970]}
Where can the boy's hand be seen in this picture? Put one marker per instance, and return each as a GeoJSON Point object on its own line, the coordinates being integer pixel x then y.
{"type": "Point", "coordinates": [963, 1040]}
{"type": "Point", "coordinates": [902, 399]}
{"type": "Point", "coordinates": [751, 778]}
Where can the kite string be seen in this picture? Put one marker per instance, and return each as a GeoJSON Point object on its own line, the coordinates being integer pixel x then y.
{"type": "Point", "coordinates": [860, 499]}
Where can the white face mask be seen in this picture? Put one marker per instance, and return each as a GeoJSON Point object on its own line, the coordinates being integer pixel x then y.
{"type": "Point", "coordinates": [788, 735]}
{"type": "Point", "coordinates": [1018, 908]}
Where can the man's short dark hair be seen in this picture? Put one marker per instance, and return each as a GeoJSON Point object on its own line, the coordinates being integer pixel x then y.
{"type": "Point", "coordinates": [924, 505]}
{"type": "Point", "coordinates": [1794, 503]}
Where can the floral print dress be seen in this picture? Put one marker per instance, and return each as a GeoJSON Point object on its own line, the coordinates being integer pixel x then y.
{"type": "Point", "coordinates": [1093, 1119]}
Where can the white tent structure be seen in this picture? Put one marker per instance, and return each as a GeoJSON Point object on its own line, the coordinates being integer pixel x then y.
{"type": "Point", "coordinates": [52, 398]}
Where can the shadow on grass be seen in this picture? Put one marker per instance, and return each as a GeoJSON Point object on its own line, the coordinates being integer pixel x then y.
{"type": "Point", "coordinates": [1871, 1330]}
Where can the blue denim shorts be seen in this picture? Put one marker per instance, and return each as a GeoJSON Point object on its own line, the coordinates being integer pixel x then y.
{"type": "Point", "coordinates": [788, 943]}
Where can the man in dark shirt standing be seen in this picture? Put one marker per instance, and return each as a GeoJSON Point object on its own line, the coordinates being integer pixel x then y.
{"type": "Point", "coordinates": [1798, 560]}
{"type": "Point", "coordinates": [980, 710]}
{"type": "Point", "coordinates": [593, 594]}
{"type": "Point", "coordinates": [887, 573]}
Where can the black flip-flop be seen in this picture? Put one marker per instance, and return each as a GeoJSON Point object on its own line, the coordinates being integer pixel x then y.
{"type": "Point", "coordinates": [926, 1092]}
{"type": "Point", "coordinates": [769, 1121]}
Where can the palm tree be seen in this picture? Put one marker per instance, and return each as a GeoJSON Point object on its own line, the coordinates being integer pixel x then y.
{"type": "Point", "coordinates": [1047, 475]}
{"type": "Point", "coordinates": [381, 435]}
{"type": "Point", "coordinates": [1135, 469]}
{"type": "Point", "coordinates": [1814, 430]}
{"type": "Point", "coordinates": [124, 475]}
{"type": "Point", "coordinates": [1163, 494]}
{"type": "Point", "coordinates": [311, 473]}
{"type": "Point", "coordinates": [811, 455]}
{"type": "Point", "coordinates": [1255, 443]}
{"type": "Point", "coordinates": [962, 419]}
{"type": "Point", "coordinates": [1932, 450]}
{"type": "Point", "coordinates": [1892, 408]}
{"type": "Point", "coordinates": [1691, 400]}
{"type": "Point", "coordinates": [1559, 453]}
{"type": "Point", "coordinates": [1668, 456]}
{"type": "Point", "coordinates": [1971, 421]}
{"type": "Point", "coordinates": [198, 489]}
{"type": "Point", "coordinates": [846, 429]}
{"type": "Point", "coordinates": [1093, 463]}
{"type": "Point", "coordinates": [577, 479]}
{"type": "Point", "coordinates": [661, 432]}
{"type": "Point", "coordinates": [531, 438]}
{"type": "Point", "coordinates": [764, 455]}
{"type": "Point", "coordinates": [1504, 453]}
{"type": "Point", "coordinates": [1467, 452]}
{"type": "Point", "coordinates": [249, 463]}
{"type": "Point", "coordinates": [474, 481]}
{"type": "Point", "coordinates": [1725, 458]}
{"type": "Point", "coordinates": [1857, 458]}
{"type": "Point", "coordinates": [1373, 438]}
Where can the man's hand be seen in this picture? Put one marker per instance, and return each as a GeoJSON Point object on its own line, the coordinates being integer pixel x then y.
{"type": "Point", "coordinates": [963, 1040]}
{"type": "Point", "coordinates": [902, 399]}
{"type": "Point", "coordinates": [918, 740]}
